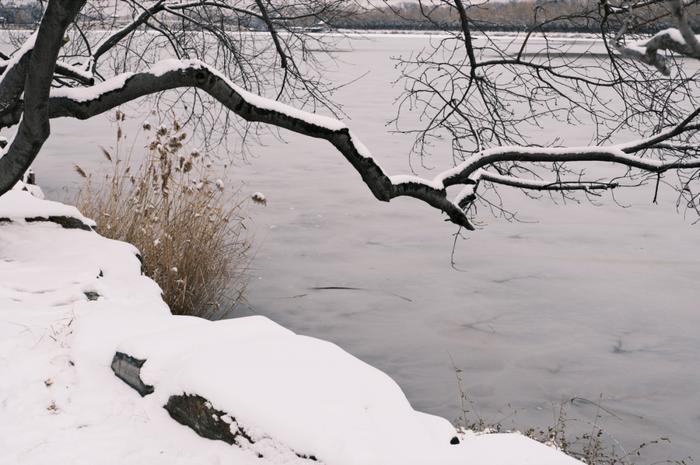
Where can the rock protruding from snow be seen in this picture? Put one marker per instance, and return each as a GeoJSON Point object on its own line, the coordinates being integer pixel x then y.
{"type": "Point", "coordinates": [199, 414]}
{"type": "Point", "coordinates": [128, 369]}
{"type": "Point", "coordinates": [307, 395]}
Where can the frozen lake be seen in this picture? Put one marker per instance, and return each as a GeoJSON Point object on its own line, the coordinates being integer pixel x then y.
{"type": "Point", "coordinates": [597, 303]}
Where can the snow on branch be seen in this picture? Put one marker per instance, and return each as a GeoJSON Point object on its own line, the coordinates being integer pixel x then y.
{"type": "Point", "coordinates": [681, 40]}
{"type": "Point", "coordinates": [544, 185]}
{"type": "Point", "coordinates": [468, 194]}
{"type": "Point", "coordinates": [75, 73]}
{"type": "Point", "coordinates": [462, 173]}
{"type": "Point", "coordinates": [647, 50]}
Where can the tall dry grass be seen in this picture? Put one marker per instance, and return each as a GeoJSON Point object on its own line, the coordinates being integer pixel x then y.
{"type": "Point", "coordinates": [188, 226]}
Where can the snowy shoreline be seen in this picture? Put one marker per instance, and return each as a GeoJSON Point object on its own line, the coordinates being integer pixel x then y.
{"type": "Point", "coordinates": [71, 299]}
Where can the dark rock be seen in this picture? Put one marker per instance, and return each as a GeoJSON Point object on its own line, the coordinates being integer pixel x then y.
{"type": "Point", "coordinates": [128, 369]}
{"type": "Point", "coordinates": [67, 222]}
{"type": "Point", "coordinates": [191, 410]}
{"type": "Point", "coordinates": [140, 258]}
{"type": "Point", "coordinates": [454, 441]}
{"type": "Point", "coordinates": [197, 413]}
{"type": "Point", "coordinates": [91, 295]}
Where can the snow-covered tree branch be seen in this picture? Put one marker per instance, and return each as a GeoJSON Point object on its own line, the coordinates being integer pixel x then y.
{"type": "Point", "coordinates": [680, 40]}
{"type": "Point", "coordinates": [493, 100]}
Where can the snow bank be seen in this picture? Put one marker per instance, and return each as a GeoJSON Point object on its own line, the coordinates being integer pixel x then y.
{"type": "Point", "coordinates": [18, 205]}
{"type": "Point", "coordinates": [70, 299]}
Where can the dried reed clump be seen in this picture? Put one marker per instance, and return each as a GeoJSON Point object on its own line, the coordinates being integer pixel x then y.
{"type": "Point", "coordinates": [188, 227]}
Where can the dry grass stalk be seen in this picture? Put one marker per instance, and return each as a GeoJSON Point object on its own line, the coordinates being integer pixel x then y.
{"type": "Point", "coordinates": [188, 227]}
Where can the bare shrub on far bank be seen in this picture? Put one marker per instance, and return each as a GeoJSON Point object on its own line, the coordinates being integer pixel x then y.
{"type": "Point", "coordinates": [188, 226]}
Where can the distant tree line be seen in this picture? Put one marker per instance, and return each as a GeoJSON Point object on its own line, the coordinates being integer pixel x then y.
{"type": "Point", "coordinates": [515, 15]}
{"type": "Point", "coordinates": [22, 14]}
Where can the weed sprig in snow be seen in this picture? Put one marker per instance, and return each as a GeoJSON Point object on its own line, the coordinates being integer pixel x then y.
{"type": "Point", "coordinates": [190, 230]}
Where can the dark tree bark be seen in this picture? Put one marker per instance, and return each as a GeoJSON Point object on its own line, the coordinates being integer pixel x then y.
{"type": "Point", "coordinates": [34, 128]}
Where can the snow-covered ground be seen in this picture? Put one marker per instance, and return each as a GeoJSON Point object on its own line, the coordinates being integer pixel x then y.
{"type": "Point", "coordinates": [70, 299]}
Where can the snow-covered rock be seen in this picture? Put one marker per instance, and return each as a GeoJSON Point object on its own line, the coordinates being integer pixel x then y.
{"type": "Point", "coordinates": [70, 299]}
{"type": "Point", "coordinates": [25, 202]}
